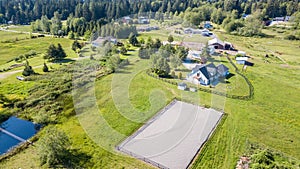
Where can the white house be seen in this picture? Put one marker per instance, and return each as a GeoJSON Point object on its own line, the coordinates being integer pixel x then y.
{"type": "Point", "coordinates": [207, 74]}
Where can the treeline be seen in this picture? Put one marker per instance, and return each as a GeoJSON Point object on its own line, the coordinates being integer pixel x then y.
{"type": "Point", "coordinates": [26, 11]}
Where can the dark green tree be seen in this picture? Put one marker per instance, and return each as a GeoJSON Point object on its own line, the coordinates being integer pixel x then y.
{"type": "Point", "coordinates": [76, 45]}
{"type": "Point", "coordinates": [132, 39]}
{"type": "Point", "coordinates": [123, 50]}
{"type": "Point", "coordinates": [60, 52]}
{"type": "Point", "coordinates": [53, 147]}
{"type": "Point", "coordinates": [56, 24]}
{"type": "Point", "coordinates": [159, 65]}
{"type": "Point", "coordinates": [175, 61]}
{"type": "Point", "coordinates": [55, 53]}
{"type": "Point", "coordinates": [170, 39]}
{"type": "Point", "coordinates": [27, 70]}
{"type": "Point", "coordinates": [45, 68]}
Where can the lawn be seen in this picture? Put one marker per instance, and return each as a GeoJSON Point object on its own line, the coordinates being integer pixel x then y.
{"type": "Point", "coordinates": [128, 98]}
{"type": "Point", "coordinates": [21, 28]}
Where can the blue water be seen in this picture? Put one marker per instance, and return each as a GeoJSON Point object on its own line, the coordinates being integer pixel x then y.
{"type": "Point", "coordinates": [21, 128]}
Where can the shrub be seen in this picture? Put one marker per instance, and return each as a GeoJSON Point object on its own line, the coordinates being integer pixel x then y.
{"type": "Point", "coordinates": [180, 75]}
{"type": "Point", "coordinates": [173, 74]}
{"type": "Point", "coordinates": [45, 68]}
{"type": "Point", "coordinates": [291, 37]}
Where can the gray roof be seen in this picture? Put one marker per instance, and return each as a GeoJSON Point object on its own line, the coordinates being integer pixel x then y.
{"type": "Point", "coordinates": [197, 67]}
{"type": "Point", "coordinates": [212, 69]}
{"type": "Point", "coordinates": [215, 41]}
{"type": "Point", "coordinates": [204, 72]}
{"type": "Point", "coordinates": [222, 69]}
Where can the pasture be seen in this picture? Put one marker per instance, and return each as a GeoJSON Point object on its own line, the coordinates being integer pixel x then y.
{"type": "Point", "coordinates": [270, 119]}
{"type": "Point", "coordinates": [13, 45]}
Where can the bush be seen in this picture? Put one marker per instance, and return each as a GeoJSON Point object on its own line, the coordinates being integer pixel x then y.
{"type": "Point", "coordinates": [45, 68]}
{"type": "Point", "coordinates": [180, 75]}
{"type": "Point", "coordinates": [291, 37]}
{"type": "Point", "coordinates": [173, 74]}
{"type": "Point", "coordinates": [27, 70]}
{"type": "Point", "coordinates": [53, 147]}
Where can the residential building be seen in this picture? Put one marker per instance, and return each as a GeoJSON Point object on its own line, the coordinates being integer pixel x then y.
{"type": "Point", "coordinates": [207, 74]}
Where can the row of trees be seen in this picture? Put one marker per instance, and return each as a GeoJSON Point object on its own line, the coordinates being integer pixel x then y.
{"type": "Point", "coordinates": [76, 27]}
{"type": "Point", "coordinates": [163, 57]}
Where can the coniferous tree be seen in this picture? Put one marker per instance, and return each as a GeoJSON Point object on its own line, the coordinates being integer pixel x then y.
{"type": "Point", "coordinates": [45, 68]}
{"type": "Point", "coordinates": [132, 39]}
{"type": "Point", "coordinates": [27, 70]}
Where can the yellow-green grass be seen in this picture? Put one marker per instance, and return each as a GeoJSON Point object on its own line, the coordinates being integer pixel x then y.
{"type": "Point", "coordinates": [257, 48]}
{"type": "Point", "coordinates": [21, 28]}
{"type": "Point", "coordinates": [11, 50]}
{"type": "Point", "coordinates": [12, 36]}
{"type": "Point", "coordinates": [270, 119]}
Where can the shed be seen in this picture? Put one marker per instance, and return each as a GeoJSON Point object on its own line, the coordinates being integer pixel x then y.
{"type": "Point", "coordinates": [182, 86]}
{"type": "Point", "coordinates": [20, 78]}
{"type": "Point", "coordinates": [242, 53]}
{"type": "Point", "coordinates": [193, 89]}
{"type": "Point", "coordinates": [241, 60]}
{"type": "Point", "coordinates": [216, 43]}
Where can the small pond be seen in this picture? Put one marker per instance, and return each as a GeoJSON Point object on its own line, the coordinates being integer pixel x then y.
{"type": "Point", "coordinates": [13, 131]}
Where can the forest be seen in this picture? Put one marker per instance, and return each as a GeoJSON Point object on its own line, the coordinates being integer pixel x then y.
{"type": "Point", "coordinates": [26, 11]}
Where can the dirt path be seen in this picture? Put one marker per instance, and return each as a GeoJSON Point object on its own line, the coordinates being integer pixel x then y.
{"type": "Point", "coordinates": [14, 31]}
{"type": "Point", "coordinates": [7, 74]}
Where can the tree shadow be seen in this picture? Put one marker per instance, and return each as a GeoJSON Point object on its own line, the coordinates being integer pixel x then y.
{"type": "Point", "coordinates": [63, 61]}
{"type": "Point", "coordinates": [75, 159]}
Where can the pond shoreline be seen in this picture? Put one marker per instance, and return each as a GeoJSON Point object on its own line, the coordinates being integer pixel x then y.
{"type": "Point", "coordinates": [18, 134]}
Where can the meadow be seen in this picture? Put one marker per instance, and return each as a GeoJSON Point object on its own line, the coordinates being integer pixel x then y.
{"type": "Point", "coordinates": [13, 45]}
{"type": "Point", "coordinates": [270, 119]}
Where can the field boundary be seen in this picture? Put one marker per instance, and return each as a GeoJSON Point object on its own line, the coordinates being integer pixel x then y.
{"type": "Point", "coordinates": [202, 150]}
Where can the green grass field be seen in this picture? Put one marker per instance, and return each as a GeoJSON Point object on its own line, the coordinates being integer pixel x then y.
{"type": "Point", "coordinates": [271, 119]}
{"type": "Point", "coordinates": [257, 48]}
{"type": "Point", "coordinates": [13, 49]}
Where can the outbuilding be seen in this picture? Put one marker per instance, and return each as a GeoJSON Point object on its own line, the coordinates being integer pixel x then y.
{"type": "Point", "coordinates": [241, 60]}
{"type": "Point", "coordinates": [182, 86]}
